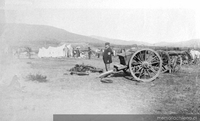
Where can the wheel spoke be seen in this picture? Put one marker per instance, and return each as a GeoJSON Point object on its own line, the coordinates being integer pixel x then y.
{"type": "Point", "coordinates": [145, 55]}
{"type": "Point", "coordinates": [145, 74]}
{"type": "Point", "coordinates": [150, 60]}
{"type": "Point", "coordinates": [135, 67]}
{"type": "Point", "coordinates": [138, 70]}
{"type": "Point", "coordinates": [138, 59]}
{"type": "Point", "coordinates": [141, 72]}
{"type": "Point", "coordinates": [155, 58]}
{"type": "Point", "coordinates": [148, 73]}
{"type": "Point", "coordinates": [148, 56]}
{"type": "Point", "coordinates": [153, 70]}
{"type": "Point", "coordinates": [142, 56]}
{"type": "Point", "coordinates": [163, 68]}
{"type": "Point", "coordinates": [136, 63]}
{"type": "Point", "coordinates": [161, 54]}
{"type": "Point", "coordinates": [139, 56]}
{"type": "Point", "coordinates": [155, 62]}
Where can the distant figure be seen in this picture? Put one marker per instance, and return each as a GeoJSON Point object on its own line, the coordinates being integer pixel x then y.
{"type": "Point", "coordinates": [74, 53]}
{"type": "Point", "coordinates": [78, 53]}
{"type": "Point", "coordinates": [98, 53]}
{"type": "Point", "coordinates": [89, 52]}
{"type": "Point", "coordinates": [114, 53]}
{"type": "Point", "coordinates": [102, 51]}
{"type": "Point", "coordinates": [122, 51]}
{"type": "Point", "coordinates": [107, 56]}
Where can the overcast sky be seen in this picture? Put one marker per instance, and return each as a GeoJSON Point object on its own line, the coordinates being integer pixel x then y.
{"type": "Point", "coordinates": [142, 20]}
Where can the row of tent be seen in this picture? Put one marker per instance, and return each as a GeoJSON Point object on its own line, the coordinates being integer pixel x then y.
{"type": "Point", "coordinates": [61, 51]}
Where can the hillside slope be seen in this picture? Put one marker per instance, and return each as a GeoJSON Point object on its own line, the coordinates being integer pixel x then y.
{"type": "Point", "coordinates": [40, 35]}
{"type": "Point", "coordinates": [188, 43]}
{"type": "Point", "coordinates": [37, 36]}
{"type": "Point", "coordinates": [119, 41]}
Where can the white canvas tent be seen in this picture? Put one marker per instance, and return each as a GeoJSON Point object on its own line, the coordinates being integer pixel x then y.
{"type": "Point", "coordinates": [69, 51]}
{"type": "Point", "coordinates": [61, 51]}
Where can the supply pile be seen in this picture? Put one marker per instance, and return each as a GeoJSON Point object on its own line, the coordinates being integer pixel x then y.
{"type": "Point", "coordinates": [81, 69]}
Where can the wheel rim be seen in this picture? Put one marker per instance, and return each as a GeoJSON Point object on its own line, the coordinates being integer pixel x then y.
{"type": "Point", "coordinates": [145, 65]}
{"type": "Point", "coordinates": [165, 61]}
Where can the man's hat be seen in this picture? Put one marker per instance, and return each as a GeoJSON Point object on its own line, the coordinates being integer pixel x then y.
{"type": "Point", "coordinates": [107, 43]}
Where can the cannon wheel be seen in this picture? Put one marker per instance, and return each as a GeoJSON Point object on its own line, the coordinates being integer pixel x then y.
{"type": "Point", "coordinates": [176, 63]}
{"type": "Point", "coordinates": [145, 65]}
{"type": "Point", "coordinates": [165, 61]}
{"type": "Point", "coordinates": [186, 58]}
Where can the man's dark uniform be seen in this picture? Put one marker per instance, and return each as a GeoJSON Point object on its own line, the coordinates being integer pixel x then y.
{"type": "Point", "coordinates": [89, 52]}
{"type": "Point", "coordinates": [107, 55]}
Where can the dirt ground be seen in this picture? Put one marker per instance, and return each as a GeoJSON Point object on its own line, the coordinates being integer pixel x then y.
{"type": "Point", "coordinates": [177, 93]}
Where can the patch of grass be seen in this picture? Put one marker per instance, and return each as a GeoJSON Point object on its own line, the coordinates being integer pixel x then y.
{"type": "Point", "coordinates": [37, 77]}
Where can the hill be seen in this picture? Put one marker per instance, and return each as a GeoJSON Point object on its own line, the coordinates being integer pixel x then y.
{"type": "Point", "coordinates": [188, 43]}
{"type": "Point", "coordinates": [36, 36]}
{"type": "Point", "coordinates": [41, 35]}
{"type": "Point", "coordinates": [120, 42]}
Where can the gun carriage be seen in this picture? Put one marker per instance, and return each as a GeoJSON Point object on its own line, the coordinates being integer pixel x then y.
{"type": "Point", "coordinates": [172, 59]}
{"type": "Point", "coordinates": [143, 64]}
{"type": "Point", "coordinates": [146, 64]}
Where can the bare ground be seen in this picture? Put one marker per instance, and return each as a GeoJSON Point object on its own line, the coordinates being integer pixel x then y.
{"type": "Point", "coordinates": [177, 93]}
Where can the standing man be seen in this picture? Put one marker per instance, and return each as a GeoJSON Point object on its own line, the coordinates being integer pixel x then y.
{"type": "Point", "coordinates": [74, 53]}
{"type": "Point", "coordinates": [107, 56]}
{"type": "Point", "coordinates": [98, 53]}
{"type": "Point", "coordinates": [78, 52]}
{"type": "Point", "coordinates": [89, 52]}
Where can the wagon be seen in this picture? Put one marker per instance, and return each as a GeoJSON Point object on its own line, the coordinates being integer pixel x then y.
{"type": "Point", "coordinates": [143, 64]}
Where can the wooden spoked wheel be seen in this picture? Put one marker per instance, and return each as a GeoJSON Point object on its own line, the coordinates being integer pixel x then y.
{"type": "Point", "coordinates": [186, 58]}
{"type": "Point", "coordinates": [176, 63]}
{"type": "Point", "coordinates": [145, 65]}
{"type": "Point", "coordinates": [165, 61]}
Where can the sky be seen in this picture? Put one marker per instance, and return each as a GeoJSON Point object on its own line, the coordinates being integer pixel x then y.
{"type": "Point", "coordinates": [141, 20]}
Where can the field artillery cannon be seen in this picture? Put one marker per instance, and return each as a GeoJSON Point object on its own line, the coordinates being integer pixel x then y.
{"type": "Point", "coordinates": [175, 60]}
{"type": "Point", "coordinates": [172, 60]}
{"type": "Point", "coordinates": [143, 64]}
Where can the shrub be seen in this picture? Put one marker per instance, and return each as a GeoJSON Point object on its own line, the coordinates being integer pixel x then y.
{"type": "Point", "coordinates": [37, 77]}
